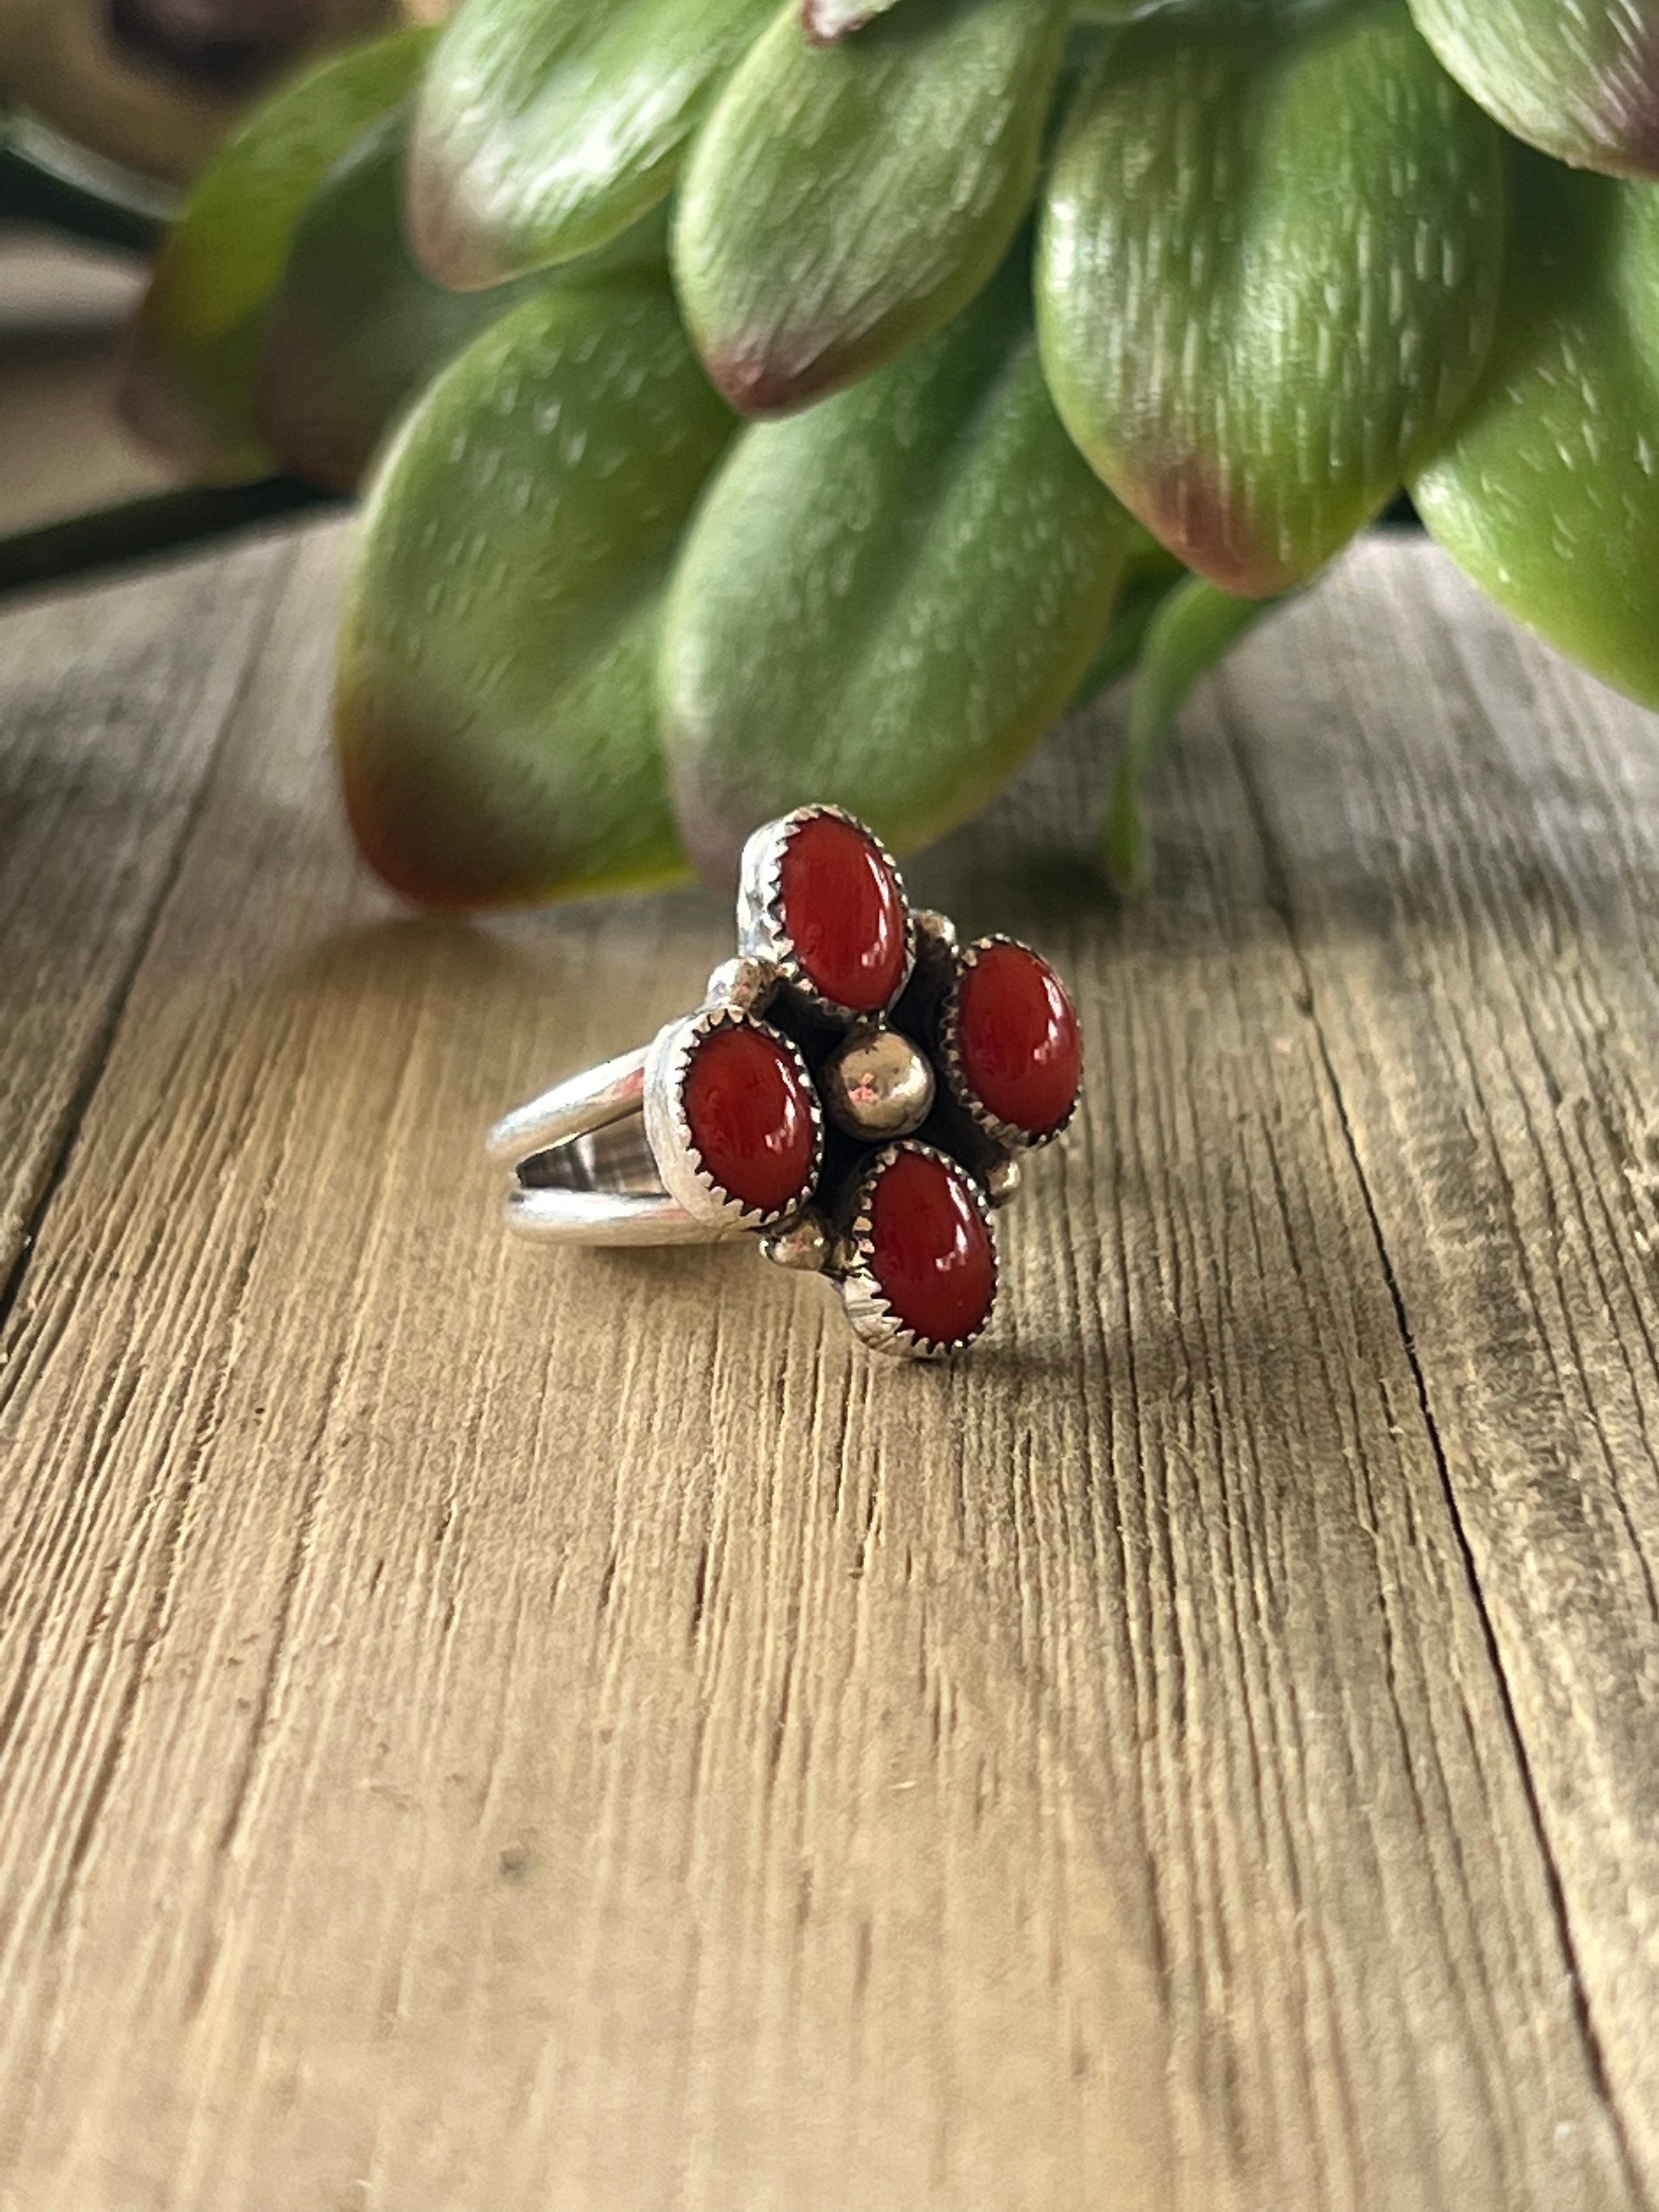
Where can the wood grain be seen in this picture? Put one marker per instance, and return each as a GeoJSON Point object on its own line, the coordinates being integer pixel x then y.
{"type": "Point", "coordinates": [489, 1729]}
{"type": "Point", "coordinates": [1472, 880]}
{"type": "Point", "coordinates": [113, 707]}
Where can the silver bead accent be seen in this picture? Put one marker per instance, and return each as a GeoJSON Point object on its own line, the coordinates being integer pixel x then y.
{"type": "Point", "coordinates": [805, 1244]}
{"type": "Point", "coordinates": [1002, 1181]}
{"type": "Point", "coordinates": [931, 923]}
{"type": "Point", "coordinates": [877, 1085]}
{"type": "Point", "coordinates": [744, 982]}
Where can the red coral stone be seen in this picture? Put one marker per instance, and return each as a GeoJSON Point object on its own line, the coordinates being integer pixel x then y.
{"type": "Point", "coordinates": [842, 907]}
{"type": "Point", "coordinates": [933, 1256]}
{"type": "Point", "coordinates": [751, 1117]}
{"type": "Point", "coordinates": [1018, 1035]}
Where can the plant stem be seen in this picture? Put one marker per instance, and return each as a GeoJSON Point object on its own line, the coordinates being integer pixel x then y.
{"type": "Point", "coordinates": [1188, 633]}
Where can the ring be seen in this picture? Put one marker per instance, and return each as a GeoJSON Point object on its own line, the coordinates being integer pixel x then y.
{"type": "Point", "coordinates": [856, 1091]}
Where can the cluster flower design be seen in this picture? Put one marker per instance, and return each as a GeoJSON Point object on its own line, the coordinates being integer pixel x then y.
{"type": "Point", "coordinates": [857, 1087]}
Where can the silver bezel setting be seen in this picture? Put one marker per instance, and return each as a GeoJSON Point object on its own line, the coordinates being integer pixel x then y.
{"type": "Point", "coordinates": [668, 1128]}
{"type": "Point", "coordinates": [873, 1319]}
{"type": "Point", "coordinates": [1007, 1135]}
{"type": "Point", "coordinates": [761, 933]}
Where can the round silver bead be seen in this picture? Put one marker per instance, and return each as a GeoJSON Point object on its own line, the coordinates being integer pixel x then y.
{"type": "Point", "coordinates": [877, 1085]}
{"type": "Point", "coordinates": [744, 982]}
{"type": "Point", "coordinates": [803, 1243]}
{"type": "Point", "coordinates": [1002, 1182]}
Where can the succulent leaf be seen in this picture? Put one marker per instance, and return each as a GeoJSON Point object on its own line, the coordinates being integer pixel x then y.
{"type": "Point", "coordinates": [886, 600]}
{"type": "Point", "coordinates": [826, 21]}
{"type": "Point", "coordinates": [546, 127]}
{"type": "Point", "coordinates": [1267, 277]}
{"type": "Point", "coordinates": [496, 706]}
{"type": "Point", "coordinates": [1546, 492]}
{"type": "Point", "coordinates": [357, 328]}
{"type": "Point", "coordinates": [189, 379]}
{"type": "Point", "coordinates": [1580, 82]}
{"type": "Point", "coordinates": [1193, 628]}
{"type": "Point", "coordinates": [843, 202]}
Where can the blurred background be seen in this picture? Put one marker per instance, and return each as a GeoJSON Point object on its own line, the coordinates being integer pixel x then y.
{"type": "Point", "coordinates": [62, 309]}
{"type": "Point", "coordinates": [109, 109]}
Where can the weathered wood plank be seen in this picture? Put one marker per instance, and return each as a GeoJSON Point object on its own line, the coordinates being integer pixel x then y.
{"type": "Point", "coordinates": [1468, 836]}
{"type": "Point", "coordinates": [488, 1727]}
{"type": "Point", "coordinates": [573, 1530]}
{"type": "Point", "coordinates": [109, 707]}
{"type": "Point", "coordinates": [1354, 1926]}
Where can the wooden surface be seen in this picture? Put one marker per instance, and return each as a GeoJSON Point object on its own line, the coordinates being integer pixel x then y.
{"type": "Point", "coordinates": [489, 1731]}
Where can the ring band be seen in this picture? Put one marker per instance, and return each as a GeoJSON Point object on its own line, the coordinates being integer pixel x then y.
{"type": "Point", "coordinates": [856, 1091]}
{"type": "Point", "coordinates": [585, 1173]}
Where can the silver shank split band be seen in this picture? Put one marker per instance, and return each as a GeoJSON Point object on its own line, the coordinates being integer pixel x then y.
{"type": "Point", "coordinates": [586, 1172]}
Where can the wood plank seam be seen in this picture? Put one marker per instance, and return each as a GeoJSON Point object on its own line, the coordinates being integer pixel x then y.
{"type": "Point", "coordinates": [1455, 653]}
{"type": "Point", "coordinates": [109, 1028]}
{"type": "Point", "coordinates": [1278, 897]}
{"type": "Point", "coordinates": [1198, 770]}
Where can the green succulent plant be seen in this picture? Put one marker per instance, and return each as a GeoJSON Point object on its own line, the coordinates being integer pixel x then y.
{"type": "Point", "coordinates": [764, 403]}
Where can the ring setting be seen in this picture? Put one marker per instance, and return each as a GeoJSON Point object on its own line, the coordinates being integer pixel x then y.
{"type": "Point", "coordinates": [856, 1092]}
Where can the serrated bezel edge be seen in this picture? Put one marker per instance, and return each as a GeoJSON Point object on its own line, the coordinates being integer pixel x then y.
{"type": "Point", "coordinates": [761, 931]}
{"type": "Point", "coordinates": [873, 1319]}
{"type": "Point", "coordinates": [1007, 1135]}
{"type": "Point", "coordinates": [668, 1129]}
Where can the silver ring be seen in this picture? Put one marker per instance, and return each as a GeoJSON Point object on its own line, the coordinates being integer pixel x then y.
{"type": "Point", "coordinates": [856, 1091]}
